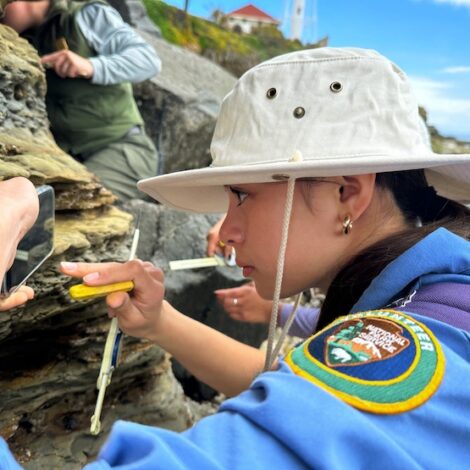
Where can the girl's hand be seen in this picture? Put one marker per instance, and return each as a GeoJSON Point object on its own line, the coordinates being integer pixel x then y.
{"type": "Point", "coordinates": [139, 311]}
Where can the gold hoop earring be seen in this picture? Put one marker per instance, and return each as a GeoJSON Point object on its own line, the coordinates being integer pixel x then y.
{"type": "Point", "coordinates": [347, 224]}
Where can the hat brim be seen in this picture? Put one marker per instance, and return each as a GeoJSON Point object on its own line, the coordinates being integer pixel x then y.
{"type": "Point", "coordinates": [202, 190]}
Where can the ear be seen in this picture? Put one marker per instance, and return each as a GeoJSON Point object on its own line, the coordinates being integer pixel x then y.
{"type": "Point", "coordinates": [355, 194]}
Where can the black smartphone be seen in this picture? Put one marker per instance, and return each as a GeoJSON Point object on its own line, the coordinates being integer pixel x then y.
{"type": "Point", "coordinates": [36, 246]}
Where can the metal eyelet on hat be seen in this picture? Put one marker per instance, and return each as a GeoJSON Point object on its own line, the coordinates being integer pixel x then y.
{"type": "Point", "coordinates": [271, 93]}
{"type": "Point", "coordinates": [336, 87]}
{"type": "Point", "coordinates": [299, 112]}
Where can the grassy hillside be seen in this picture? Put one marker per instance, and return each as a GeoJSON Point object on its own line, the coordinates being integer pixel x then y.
{"type": "Point", "coordinates": [239, 52]}
{"type": "Point", "coordinates": [236, 52]}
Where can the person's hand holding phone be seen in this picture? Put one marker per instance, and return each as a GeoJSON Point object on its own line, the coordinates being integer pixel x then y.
{"type": "Point", "coordinates": [4, 3]}
{"type": "Point", "coordinates": [20, 297]}
{"type": "Point", "coordinates": [19, 209]}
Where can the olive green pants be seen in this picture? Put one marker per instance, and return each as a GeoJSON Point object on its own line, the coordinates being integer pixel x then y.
{"type": "Point", "coordinates": [122, 163]}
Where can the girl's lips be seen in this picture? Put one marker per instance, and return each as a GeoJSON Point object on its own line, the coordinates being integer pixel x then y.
{"type": "Point", "coordinates": [247, 270]}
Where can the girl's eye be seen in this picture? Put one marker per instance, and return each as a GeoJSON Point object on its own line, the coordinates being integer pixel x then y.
{"type": "Point", "coordinates": [240, 195]}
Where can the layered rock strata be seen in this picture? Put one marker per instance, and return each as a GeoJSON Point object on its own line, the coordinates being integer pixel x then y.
{"type": "Point", "coordinates": [50, 349]}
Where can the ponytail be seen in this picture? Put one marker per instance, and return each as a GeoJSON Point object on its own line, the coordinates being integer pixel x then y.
{"type": "Point", "coordinates": [424, 210]}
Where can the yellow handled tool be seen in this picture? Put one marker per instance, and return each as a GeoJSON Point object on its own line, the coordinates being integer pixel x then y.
{"type": "Point", "coordinates": [113, 341]}
{"type": "Point", "coordinates": [84, 292]}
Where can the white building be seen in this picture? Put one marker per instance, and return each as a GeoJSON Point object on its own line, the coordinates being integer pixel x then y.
{"type": "Point", "coordinates": [248, 17]}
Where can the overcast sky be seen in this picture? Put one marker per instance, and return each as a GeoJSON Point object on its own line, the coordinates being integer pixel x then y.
{"type": "Point", "coordinates": [429, 39]}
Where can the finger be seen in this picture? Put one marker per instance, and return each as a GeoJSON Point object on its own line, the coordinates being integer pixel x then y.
{"type": "Point", "coordinates": [28, 291]}
{"type": "Point", "coordinates": [58, 63]}
{"type": "Point", "coordinates": [75, 269]}
{"type": "Point", "coordinates": [51, 58]}
{"type": "Point", "coordinates": [130, 318]}
{"type": "Point", "coordinates": [232, 304]}
{"type": "Point", "coordinates": [120, 306]}
{"type": "Point", "coordinates": [82, 269]}
{"type": "Point", "coordinates": [15, 300]}
{"type": "Point", "coordinates": [235, 292]}
{"type": "Point", "coordinates": [222, 292]}
{"type": "Point", "coordinates": [211, 245]}
{"type": "Point", "coordinates": [64, 68]}
{"type": "Point", "coordinates": [143, 277]}
{"type": "Point", "coordinates": [62, 65]}
{"type": "Point", "coordinates": [237, 316]}
{"type": "Point", "coordinates": [104, 272]}
{"type": "Point", "coordinates": [116, 300]}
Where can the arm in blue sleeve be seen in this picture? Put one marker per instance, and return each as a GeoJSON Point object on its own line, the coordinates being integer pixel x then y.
{"type": "Point", "coordinates": [7, 461]}
{"type": "Point", "coordinates": [135, 446]}
{"type": "Point", "coordinates": [304, 323]}
{"type": "Point", "coordinates": [123, 56]}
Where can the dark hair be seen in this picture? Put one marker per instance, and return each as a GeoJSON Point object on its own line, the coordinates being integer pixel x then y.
{"type": "Point", "coordinates": [417, 201]}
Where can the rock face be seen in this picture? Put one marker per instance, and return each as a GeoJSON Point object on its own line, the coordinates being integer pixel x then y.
{"type": "Point", "coordinates": [180, 105]}
{"type": "Point", "coordinates": [134, 13]}
{"type": "Point", "coordinates": [26, 146]}
{"type": "Point", "coordinates": [51, 349]}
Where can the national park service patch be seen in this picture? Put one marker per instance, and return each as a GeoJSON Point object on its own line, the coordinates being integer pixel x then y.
{"type": "Point", "coordinates": [381, 361]}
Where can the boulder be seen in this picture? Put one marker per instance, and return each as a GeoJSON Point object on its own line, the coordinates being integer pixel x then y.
{"type": "Point", "coordinates": [181, 104]}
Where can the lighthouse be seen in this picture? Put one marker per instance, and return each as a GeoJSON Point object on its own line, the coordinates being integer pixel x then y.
{"type": "Point", "coordinates": [303, 16]}
{"type": "Point", "coordinates": [297, 19]}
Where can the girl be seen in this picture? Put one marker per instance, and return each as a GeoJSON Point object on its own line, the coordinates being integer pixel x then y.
{"type": "Point", "coordinates": [329, 183]}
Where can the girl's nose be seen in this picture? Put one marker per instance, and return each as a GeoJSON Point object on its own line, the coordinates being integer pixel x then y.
{"type": "Point", "coordinates": [231, 232]}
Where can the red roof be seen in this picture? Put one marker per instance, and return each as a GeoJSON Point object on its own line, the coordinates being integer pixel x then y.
{"type": "Point", "coordinates": [252, 12]}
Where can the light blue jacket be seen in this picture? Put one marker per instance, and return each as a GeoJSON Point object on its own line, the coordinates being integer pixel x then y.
{"type": "Point", "coordinates": [286, 421]}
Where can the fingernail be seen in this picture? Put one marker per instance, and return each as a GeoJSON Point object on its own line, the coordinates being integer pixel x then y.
{"type": "Point", "coordinates": [91, 277]}
{"type": "Point", "coordinates": [68, 266]}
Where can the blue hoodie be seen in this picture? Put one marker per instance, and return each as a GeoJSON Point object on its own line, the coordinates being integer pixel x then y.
{"type": "Point", "coordinates": [293, 420]}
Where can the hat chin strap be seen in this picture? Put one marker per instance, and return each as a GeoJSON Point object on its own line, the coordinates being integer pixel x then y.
{"type": "Point", "coordinates": [271, 353]}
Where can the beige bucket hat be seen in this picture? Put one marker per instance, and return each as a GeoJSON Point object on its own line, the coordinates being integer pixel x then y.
{"type": "Point", "coordinates": [314, 113]}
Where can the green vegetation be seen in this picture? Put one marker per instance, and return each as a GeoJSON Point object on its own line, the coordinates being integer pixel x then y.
{"type": "Point", "coordinates": [237, 52]}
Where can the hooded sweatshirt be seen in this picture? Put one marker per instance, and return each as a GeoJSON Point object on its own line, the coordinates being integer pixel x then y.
{"type": "Point", "coordinates": [291, 418]}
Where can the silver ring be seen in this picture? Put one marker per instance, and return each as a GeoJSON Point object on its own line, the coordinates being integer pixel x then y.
{"type": "Point", "coordinates": [235, 301]}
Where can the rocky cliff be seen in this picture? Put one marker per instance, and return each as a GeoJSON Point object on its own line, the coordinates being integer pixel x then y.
{"type": "Point", "coordinates": [50, 349]}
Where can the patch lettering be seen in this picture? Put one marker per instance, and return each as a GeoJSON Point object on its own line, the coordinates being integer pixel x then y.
{"type": "Point", "coordinates": [381, 361]}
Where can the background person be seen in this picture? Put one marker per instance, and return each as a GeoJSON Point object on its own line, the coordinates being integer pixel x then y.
{"type": "Point", "coordinates": [243, 303]}
{"type": "Point", "coordinates": [92, 57]}
{"type": "Point", "coordinates": [390, 381]}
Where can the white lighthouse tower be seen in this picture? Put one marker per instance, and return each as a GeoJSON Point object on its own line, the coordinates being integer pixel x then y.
{"type": "Point", "coordinates": [297, 19]}
{"type": "Point", "coordinates": [303, 15]}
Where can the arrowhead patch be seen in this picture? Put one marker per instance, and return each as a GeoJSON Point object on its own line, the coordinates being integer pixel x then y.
{"type": "Point", "coordinates": [381, 361]}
